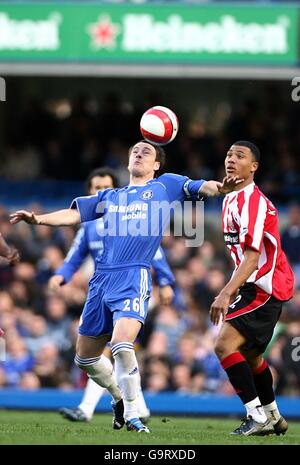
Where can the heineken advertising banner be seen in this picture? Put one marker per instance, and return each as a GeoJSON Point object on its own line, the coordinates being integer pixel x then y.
{"type": "Point", "coordinates": [148, 33]}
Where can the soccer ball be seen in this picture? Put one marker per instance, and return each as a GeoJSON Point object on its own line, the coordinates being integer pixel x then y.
{"type": "Point", "coordinates": [159, 125]}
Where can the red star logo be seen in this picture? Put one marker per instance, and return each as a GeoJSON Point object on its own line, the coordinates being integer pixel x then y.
{"type": "Point", "coordinates": [103, 33]}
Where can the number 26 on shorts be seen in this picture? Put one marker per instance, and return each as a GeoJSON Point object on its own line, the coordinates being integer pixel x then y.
{"type": "Point", "coordinates": [130, 305]}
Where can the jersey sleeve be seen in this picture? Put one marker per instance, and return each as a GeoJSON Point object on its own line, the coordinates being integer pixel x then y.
{"type": "Point", "coordinates": [90, 207]}
{"type": "Point", "coordinates": [76, 255]}
{"type": "Point", "coordinates": [253, 217]}
{"type": "Point", "coordinates": [163, 273]}
{"type": "Point", "coordinates": [181, 187]}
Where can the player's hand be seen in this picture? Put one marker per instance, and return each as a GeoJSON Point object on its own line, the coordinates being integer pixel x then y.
{"type": "Point", "coordinates": [228, 184]}
{"type": "Point", "coordinates": [23, 215]}
{"type": "Point", "coordinates": [55, 282]}
{"type": "Point", "coordinates": [13, 256]}
{"type": "Point", "coordinates": [1, 332]}
{"type": "Point", "coordinates": [219, 308]}
{"type": "Point", "coordinates": [166, 295]}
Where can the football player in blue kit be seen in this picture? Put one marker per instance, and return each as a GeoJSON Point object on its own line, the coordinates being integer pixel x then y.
{"type": "Point", "coordinates": [117, 301]}
{"type": "Point", "coordinates": [88, 241]}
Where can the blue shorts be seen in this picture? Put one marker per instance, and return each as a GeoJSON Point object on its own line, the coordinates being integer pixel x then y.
{"type": "Point", "coordinates": [114, 294]}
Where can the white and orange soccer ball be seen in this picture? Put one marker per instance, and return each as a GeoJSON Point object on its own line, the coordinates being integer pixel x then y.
{"type": "Point", "coordinates": [159, 125]}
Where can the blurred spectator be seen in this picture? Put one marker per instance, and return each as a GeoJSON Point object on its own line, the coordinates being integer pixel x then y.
{"type": "Point", "coordinates": [49, 367]}
{"type": "Point", "coordinates": [290, 237]}
{"type": "Point", "coordinates": [181, 377]}
{"type": "Point", "coordinates": [29, 381]}
{"type": "Point", "coordinates": [169, 323]}
{"type": "Point", "coordinates": [58, 323]}
{"type": "Point", "coordinates": [18, 361]}
{"type": "Point", "coordinates": [38, 334]}
{"type": "Point", "coordinates": [51, 259]}
{"type": "Point", "coordinates": [157, 374]}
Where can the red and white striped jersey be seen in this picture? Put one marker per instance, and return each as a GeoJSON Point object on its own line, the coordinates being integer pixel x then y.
{"type": "Point", "coordinates": [250, 220]}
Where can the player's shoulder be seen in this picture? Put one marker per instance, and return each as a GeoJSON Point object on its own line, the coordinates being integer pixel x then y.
{"type": "Point", "coordinates": [171, 176]}
{"type": "Point", "coordinates": [121, 189]}
{"type": "Point", "coordinates": [172, 179]}
{"type": "Point", "coordinates": [269, 204]}
{"type": "Point", "coordinates": [98, 195]}
{"type": "Point", "coordinates": [159, 181]}
{"type": "Point", "coordinates": [106, 192]}
{"type": "Point", "coordinates": [257, 192]}
{"type": "Point", "coordinates": [250, 193]}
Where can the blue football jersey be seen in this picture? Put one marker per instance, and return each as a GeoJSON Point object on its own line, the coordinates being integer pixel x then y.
{"type": "Point", "coordinates": [88, 241]}
{"type": "Point", "coordinates": [135, 217]}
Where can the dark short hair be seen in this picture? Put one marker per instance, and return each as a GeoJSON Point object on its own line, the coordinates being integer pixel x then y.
{"type": "Point", "coordinates": [102, 172]}
{"type": "Point", "coordinates": [254, 149]}
{"type": "Point", "coordinates": [160, 155]}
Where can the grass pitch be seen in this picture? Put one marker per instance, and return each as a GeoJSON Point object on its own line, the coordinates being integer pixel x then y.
{"type": "Point", "coordinates": [18, 428]}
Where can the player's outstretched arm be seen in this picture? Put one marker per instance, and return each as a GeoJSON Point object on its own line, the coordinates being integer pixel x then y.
{"type": "Point", "coordinates": [212, 188]}
{"type": "Point", "coordinates": [67, 217]}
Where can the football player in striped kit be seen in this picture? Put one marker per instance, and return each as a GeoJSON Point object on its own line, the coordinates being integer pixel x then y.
{"type": "Point", "coordinates": [250, 304]}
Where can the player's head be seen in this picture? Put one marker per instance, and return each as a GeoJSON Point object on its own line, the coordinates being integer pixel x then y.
{"type": "Point", "coordinates": [242, 159]}
{"type": "Point", "coordinates": [146, 159]}
{"type": "Point", "coordinates": [100, 179]}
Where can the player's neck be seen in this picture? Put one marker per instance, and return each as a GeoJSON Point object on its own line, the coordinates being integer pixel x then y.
{"type": "Point", "coordinates": [139, 180]}
{"type": "Point", "coordinates": [244, 184]}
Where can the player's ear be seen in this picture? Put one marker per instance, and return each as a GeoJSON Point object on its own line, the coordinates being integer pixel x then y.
{"type": "Point", "coordinates": [156, 165]}
{"type": "Point", "coordinates": [254, 166]}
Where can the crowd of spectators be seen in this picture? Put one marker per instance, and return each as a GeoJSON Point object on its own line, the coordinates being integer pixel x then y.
{"type": "Point", "coordinates": [176, 351]}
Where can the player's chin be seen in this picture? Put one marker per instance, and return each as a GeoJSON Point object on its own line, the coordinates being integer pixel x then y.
{"type": "Point", "coordinates": [232, 173]}
{"type": "Point", "coordinates": [137, 171]}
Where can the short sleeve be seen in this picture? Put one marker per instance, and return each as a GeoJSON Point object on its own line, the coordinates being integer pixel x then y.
{"type": "Point", "coordinates": [181, 187]}
{"type": "Point", "coordinates": [90, 207]}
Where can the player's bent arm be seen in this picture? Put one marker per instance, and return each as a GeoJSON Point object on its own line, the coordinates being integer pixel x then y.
{"type": "Point", "coordinates": [66, 217]}
{"type": "Point", "coordinates": [245, 270]}
{"type": "Point", "coordinates": [219, 307]}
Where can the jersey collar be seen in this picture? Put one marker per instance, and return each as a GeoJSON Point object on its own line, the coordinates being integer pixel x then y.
{"type": "Point", "coordinates": [245, 189]}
